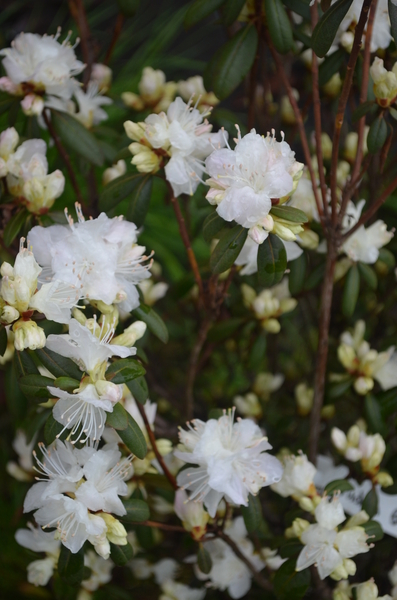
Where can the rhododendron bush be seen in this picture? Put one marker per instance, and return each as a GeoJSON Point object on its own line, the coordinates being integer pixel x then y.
{"type": "Point", "coordinates": [197, 299]}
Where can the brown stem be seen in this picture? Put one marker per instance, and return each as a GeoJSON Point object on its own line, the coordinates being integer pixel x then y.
{"type": "Point", "coordinates": [260, 580]}
{"type": "Point", "coordinates": [372, 209]}
{"type": "Point", "coordinates": [193, 364]}
{"type": "Point", "coordinates": [301, 127]}
{"type": "Point", "coordinates": [78, 13]}
{"type": "Point", "coordinates": [322, 350]}
{"type": "Point", "coordinates": [153, 443]}
{"type": "Point", "coordinates": [116, 33]}
{"type": "Point", "coordinates": [355, 174]}
{"type": "Point", "coordinates": [158, 525]}
{"type": "Point", "coordinates": [347, 84]}
{"type": "Point", "coordinates": [64, 155]}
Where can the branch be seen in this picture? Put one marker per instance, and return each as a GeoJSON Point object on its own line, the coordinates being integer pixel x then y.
{"type": "Point", "coordinates": [64, 155]}
{"type": "Point", "coordinates": [347, 84]}
{"type": "Point", "coordinates": [158, 525]}
{"type": "Point", "coordinates": [79, 15]}
{"type": "Point", "coordinates": [152, 439]}
{"type": "Point", "coordinates": [193, 365]}
{"type": "Point", "coordinates": [116, 33]}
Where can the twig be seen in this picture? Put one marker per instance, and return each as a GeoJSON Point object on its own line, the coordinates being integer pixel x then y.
{"type": "Point", "coordinates": [342, 105]}
{"type": "Point", "coordinates": [64, 155]}
{"type": "Point", "coordinates": [158, 525]}
{"type": "Point", "coordinates": [322, 350]}
{"type": "Point", "coordinates": [79, 15]}
{"type": "Point", "coordinates": [193, 363]}
{"type": "Point", "coordinates": [153, 443]}
{"type": "Point", "coordinates": [116, 33]}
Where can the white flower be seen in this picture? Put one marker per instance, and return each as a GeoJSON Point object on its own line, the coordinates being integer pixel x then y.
{"type": "Point", "coordinates": [43, 63]}
{"type": "Point", "coordinates": [101, 75]}
{"type": "Point", "coordinates": [100, 257]}
{"type": "Point", "coordinates": [269, 304]}
{"type": "Point", "coordinates": [90, 112]}
{"type": "Point", "coordinates": [192, 514]}
{"type": "Point", "coordinates": [231, 459]}
{"type": "Point", "coordinates": [248, 405]}
{"type": "Point", "coordinates": [8, 142]}
{"type": "Point", "coordinates": [193, 88]}
{"type": "Point", "coordinates": [248, 257]}
{"type": "Point", "coordinates": [364, 244]}
{"type": "Point", "coordinates": [187, 140]}
{"type": "Point", "coordinates": [327, 472]}
{"type": "Point", "coordinates": [19, 282]}
{"type": "Point", "coordinates": [381, 35]}
{"type": "Point", "coordinates": [304, 199]}
{"type": "Point", "coordinates": [152, 291]}
{"type": "Point", "coordinates": [34, 538]}
{"type": "Point", "coordinates": [101, 571]}
{"type": "Point", "coordinates": [369, 591]}
{"type": "Point", "coordinates": [327, 548]}
{"type": "Point", "coordinates": [24, 449]}
{"type": "Point", "coordinates": [172, 590]}
{"type": "Point", "coordinates": [244, 181]}
{"type": "Point", "coordinates": [297, 479]}
{"type": "Point", "coordinates": [228, 571]}
{"type": "Point", "coordinates": [114, 171]}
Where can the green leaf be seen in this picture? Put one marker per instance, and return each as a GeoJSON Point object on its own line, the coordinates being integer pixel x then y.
{"type": "Point", "coordinates": [387, 257]}
{"type": "Point", "coordinates": [252, 514]}
{"type": "Point", "coordinates": [289, 213]}
{"type": "Point", "coordinates": [330, 66]}
{"type": "Point", "coordinates": [66, 383]}
{"type": "Point", "coordinates": [154, 322]}
{"type": "Point", "coordinates": [14, 226]}
{"type": "Point", "coordinates": [24, 365]}
{"type": "Point", "coordinates": [199, 10]}
{"type": "Point", "coordinates": [315, 277]}
{"type": "Point", "coordinates": [377, 135]}
{"type": "Point", "coordinates": [35, 386]}
{"type": "Point", "coordinates": [393, 19]}
{"type": "Point", "coordinates": [300, 7]}
{"type": "Point", "coordinates": [225, 329]}
{"type": "Point", "coordinates": [337, 389]}
{"type": "Point", "coordinates": [58, 365]}
{"type": "Point", "coordinates": [388, 402]}
{"type": "Point", "coordinates": [52, 430]}
{"type": "Point", "coordinates": [120, 555]}
{"type": "Point", "coordinates": [77, 138]}
{"type": "Point", "coordinates": [339, 485]}
{"type": "Point", "coordinates": [71, 566]}
{"type": "Point", "coordinates": [212, 225]}
{"type": "Point", "coordinates": [350, 291]}
{"type": "Point", "coordinates": [118, 189]}
{"type": "Point", "coordinates": [123, 370]}
{"type": "Point", "coordinates": [139, 203]}
{"type": "Point", "coordinates": [118, 419]}
{"type": "Point", "coordinates": [3, 340]}
{"type": "Point", "coordinates": [368, 274]}
{"type": "Point", "coordinates": [34, 422]}
{"type": "Point", "coordinates": [363, 109]}
{"type": "Point", "coordinates": [139, 389]}
{"type": "Point", "coordinates": [374, 530]}
{"type": "Point", "coordinates": [325, 31]}
{"type": "Point", "coordinates": [228, 248]}
{"type": "Point", "coordinates": [373, 415]}
{"type": "Point", "coordinates": [231, 11]}
{"type": "Point", "coordinates": [279, 26]}
{"type": "Point", "coordinates": [231, 63]}
{"type": "Point", "coordinates": [128, 8]}
{"type": "Point", "coordinates": [133, 438]}
{"type": "Point", "coordinates": [297, 273]}
{"type": "Point", "coordinates": [290, 548]}
{"type": "Point", "coordinates": [137, 511]}
{"type": "Point", "coordinates": [290, 584]}
{"type": "Point", "coordinates": [370, 503]}
{"type": "Point", "coordinates": [272, 261]}
{"type": "Point", "coordinates": [204, 560]}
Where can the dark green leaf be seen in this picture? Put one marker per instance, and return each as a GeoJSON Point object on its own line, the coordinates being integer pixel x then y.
{"type": "Point", "coordinates": [24, 365]}
{"type": "Point", "coordinates": [373, 415]}
{"type": "Point", "coordinates": [199, 10]}
{"type": "Point", "coordinates": [225, 329]}
{"type": "Point", "coordinates": [66, 383]}
{"type": "Point", "coordinates": [231, 63]}
{"type": "Point", "coordinates": [212, 225]}
{"type": "Point", "coordinates": [387, 257]}
{"type": "Point", "coordinates": [139, 389]}
{"type": "Point", "coordinates": [52, 430]}
{"type": "Point", "coordinates": [288, 583]}
{"type": "Point", "coordinates": [363, 109]}
{"type": "Point", "coordinates": [370, 503]}
{"type": "Point", "coordinates": [71, 566]}
{"type": "Point", "coordinates": [330, 66]}
{"type": "Point", "coordinates": [279, 25]}
{"type": "Point", "coordinates": [339, 485]}
{"type": "Point", "coordinates": [228, 248]}
{"type": "Point", "coordinates": [231, 10]}
{"type": "Point", "coordinates": [34, 423]}
{"type": "Point", "coordinates": [252, 514]}
{"type": "Point", "coordinates": [393, 19]}
{"type": "Point", "coordinates": [300, 7]}
{"type": "Point", "coordinates": [289, 213]}
{"type": "Point", "coordinates": [137, 511]}
{"type": "Point", "coordinates": [155, 323]}
{"type": "Point", "coordinates": [204, 560]}
{"type": "Point", "coordinates": [258, 351]}
{"type": "Point", "coordinates": [377, 135]}
{"type": "Point", "coordinates": [374, 530]}
{"type": "Point", "coordinates": [350, 291]}
{"type": "Point", "coordinates": [118, 189]}
{"type": "Point", "coordinates": [3, 340]}
{"type": "Point", "coordinates": [290, 548]}
{"type": "Point", "coordinates": [14, 226]}
{"type": "Point", "coordinates": [139, 203]}
{"type": "Point", "coordinates": [272, 261]}
{"type": "Point", "coordinates": [337, 389]}
{"type": "Point", "coordinates": [325, 31]}
{"type": "Point", "coordinates": [118, 418]}
{"type": "Point", "coordinates": [388, 402]}
{"type": "Point", "coordinates": [35, 386]}
{"type": "Point", "coordinates": [315, 277]}
{"type": "Point", "coordinates": [368, 274]}
{"type": "Point", "coordinates": [120, 555]}
{"type": "Point", "coordinates": [325, 4]}
{"type": "Point", "coordinates": [133, 438]}
{"type": "Point", "coordinates": [77, 138]}
{"type": "Point", "coordinates": [297, 274]}
{"type": "Point", "coordinates": [128, 8]}
{"type": "Point", "coordinates": [58, 365]}
{"type": "Point", "coordinates": [123, 370]}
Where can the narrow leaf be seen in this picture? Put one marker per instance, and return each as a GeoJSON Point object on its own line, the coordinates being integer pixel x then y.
{"type": "Point", "coordinates": [154, 322]}
{"type": "Point", "coordinates": [58, 365]}
{"type": "Point", "coordinates": [120, 555]}
{"type": "Point", "coordinates": [370, 503]}
{"type": "Point", "coordinates": [368, 274]}
{"type": "Point", "coordinates": [363, 109]}
{"type": "Point", "coordinates": [77, 138]}
{"type": "Point", "coordinates": [272, 261]}
{"type": "Point", "coordinates": [140, 200]}
{"type": "Point", "coordinates": [133, 438]}
{"type": "Point", "coordinates": [66, 383]}
{"type": "Point", "coordinates": [339, 485]}
{"type": "Point", "coordinates": [297, 274]}
{"type": "Point", "coordinates": [373, 415]}
{"type": "Point", "coordinates": [231, 10]}
{"type": "Point", "coordinates": [279, 25]}
{"type": "Point", "coordinates": [124, 370]}
{"type": "Point", "coordinates": [351, 291]}
{"type": "Point", "coordinates": [204, 560]}
{"type": "Point", "coordinates": [290, 584]}
{"type": "Point", "coordinates": [3, 340]}
{"type": "Point", "coordinates": [139, 389]}
{"type": "Point", "coordinates": [24, 364]}
{"type": "Point", "coordinates": [252, 514]}
{"type": "Point", "coordinates": [374, 530]}
{"type": "Point", "coordinates": [118, 419]}
{"type": "Point", "coordinates": [118, 189]}
{"type": "Point", "coordinates": [212, 225]}
{"type": "Point", "coordinates": [325, 31]}
{"type": "Point", "coordinates": [71, 566]}
{"type": "Point", "coordinates": [300, 7]}
{"type": "Point", "coordinates": [228, 248]}
{"type": "Point", "coordinates": [128, 8]}
{"type": "Point", "coordinates": [330, 66]}
{"type": "Point", "coordinates": [377, 135]}
{"type": "Point", "coordinates": [289, 213]}
{"type": "Point", "coordinates": [35, 386]}
{"type": "Point", "coordinates": [137, 511]}
{"type": "Point", "coordinates": [199, 10]}
{"type": "Point", "coordinates": [52, 429]}
{"type": "Point", "coordinates": [14, 226]}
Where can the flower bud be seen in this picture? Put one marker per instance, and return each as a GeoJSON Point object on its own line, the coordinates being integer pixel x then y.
{"type": "Point", "coordinates": [353, 435]}
{"type": "Point", "coordinates": [102, 76]}
{"type": "Point", "coordinates": [132, 101]}
{"type": "Point", "coordinates": [384, 479]}
{"type": "Point", "coordinates": [328, 411]}
{"type": "Point", "coordinates": [308, 239]}
{"type": "Point", "coordinates": [288, 304]}
{"type": "Point", "coordinates": [8, 142]}
{"type": "Point", "coordinates": [257, 233]}
{"type": "Point", "coordinates": [32, 105]}
{"type": "Point", "coordinates": [136, 131]}
{"type": "Point", "coordinates": [271, 325]}
{"type": "Point", "coordinates": [363, 385]}
{"type": "Point", "coordinates": [338, 438]}
{"type": "Point", "coordinates": [133, 333]}
{"type": "Point", "coordinates": [192, 514]}
{"type": "Point", "coordinates": [326, 146]}
{"type": "Point", "coordinates": [339, 573]}
{"type": "Point", "coordinates": [304, 398]}
{"type": "Point", "coordinates": [306, 504]}
{"type": "Point", "coordinates": [28, 335]}
{"type": "Point", "coordinates": [347, 356]}
{"type": "Point", "coordinates": [109, 391]}
{"type": "Point", "coordinates": [367, 591]}
{"type": "Point", "coordinates": [356, 520]}
{"type": "Point", "coordinates": [145, 160]}
{"type": "Point", "coordinates": [113, 172]}
{"type": "Point", "coordinates": [333, 86]}
{"type": "Point", "coordinates": [285, 232]}
{"type": "Point", "coordinates": [286, 110]}
{"type": "Point", "coordinates": [297, 528]}
{"type": "Point", "coordinates": [116, 533]}
{"type": "Point", "coordinates": [79, 315]}
{"type": "Point", "coordinates": [9, 314]}
{"type": "Point", "coordinates": [40, 571]}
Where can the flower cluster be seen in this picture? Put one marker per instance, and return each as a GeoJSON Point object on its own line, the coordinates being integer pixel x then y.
{"type": "Point", "coordinates": [269, 304]}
